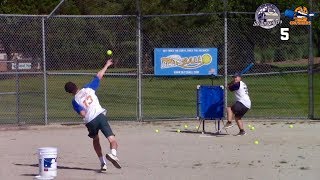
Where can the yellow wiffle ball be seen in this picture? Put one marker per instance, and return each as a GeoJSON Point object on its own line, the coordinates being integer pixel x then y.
{"type": "Point", "coordinates": [256, 142]}
{"type": "Point", "coordinates": [109, 52]}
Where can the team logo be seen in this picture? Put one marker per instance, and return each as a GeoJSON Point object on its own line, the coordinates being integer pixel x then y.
{"type": "Point", "coordinates": [300, 16]}
{"type": "Point", "coordinates": [191, 62]}
{"type": "Point", "coordinates": [49, 163]}
{"type": "Point", "coordinates": [267, 16]}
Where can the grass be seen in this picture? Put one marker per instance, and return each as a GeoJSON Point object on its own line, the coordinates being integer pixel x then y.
{"type": "Point", "coordinates": [272, 96]}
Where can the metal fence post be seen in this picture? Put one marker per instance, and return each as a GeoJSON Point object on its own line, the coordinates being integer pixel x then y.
{"type": "Point", "coordinates": [139, 49]}
{"type": "Point", "coordinates": [225, 54]}
{"type": "Point", "coordinates": [17, 91]}
{"type": "Point", "coordinates": [310, 70]}
{"type": "Point", "coordinates": [44, 60]}
{"type": "Point", "coordinates": [44, 71]}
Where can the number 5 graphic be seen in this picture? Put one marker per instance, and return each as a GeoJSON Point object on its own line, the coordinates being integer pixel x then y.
{"type": "Point", "coordinates": [284, 32]}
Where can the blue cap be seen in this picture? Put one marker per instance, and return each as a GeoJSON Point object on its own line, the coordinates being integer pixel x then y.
{"type": "Point", "coordinates": [237, 74]}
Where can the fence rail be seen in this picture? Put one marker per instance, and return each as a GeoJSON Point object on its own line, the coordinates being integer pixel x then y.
{"type": "Point", "coordinates": [73, 48]}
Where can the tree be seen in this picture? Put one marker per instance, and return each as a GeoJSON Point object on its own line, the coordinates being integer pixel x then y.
{"type": "Point", "coordinates": [21, 35]}
{"type": "Point", "coordinates": [245, 41]}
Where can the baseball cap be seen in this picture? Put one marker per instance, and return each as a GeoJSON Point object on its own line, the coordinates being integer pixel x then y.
{"type": "Point", "coordinates": [237, 74]}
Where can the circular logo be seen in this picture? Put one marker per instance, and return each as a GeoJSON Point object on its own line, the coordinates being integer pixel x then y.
{"type": "Point", "coordinates": [267, 16]}
{"type": "Point", "coordinates": [206, 59]}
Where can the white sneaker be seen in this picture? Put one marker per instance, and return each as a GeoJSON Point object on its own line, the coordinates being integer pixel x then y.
{"type": "Point", "coordinates": [103, 168]}
{"type": "Point", "coordinates": [114, 160]}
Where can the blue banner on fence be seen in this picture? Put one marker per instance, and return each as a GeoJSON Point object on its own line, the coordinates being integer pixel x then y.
{"type": "Point", "coordinates": [185, 61]}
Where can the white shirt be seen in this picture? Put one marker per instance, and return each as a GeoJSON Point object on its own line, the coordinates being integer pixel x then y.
{"type": "Point", "coordinates": [242, 94]}
{"type": "Point", "coordinates": [87, 100]}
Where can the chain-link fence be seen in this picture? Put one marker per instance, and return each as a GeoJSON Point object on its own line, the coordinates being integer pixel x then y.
{"type": "Point", "coordinates": [21, 101]}
{"type": "Point", "coordinates": [39, 55]}
{"type": "Point", "coordinates": [76, 49]}
{"type": "Point", "coordinates": [174, 97]}
{"type": "Point", "coordinates": [281, 67]}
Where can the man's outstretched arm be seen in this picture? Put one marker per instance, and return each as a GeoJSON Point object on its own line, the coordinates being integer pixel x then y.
{"type": "Point", "coordinates": [104, 69]}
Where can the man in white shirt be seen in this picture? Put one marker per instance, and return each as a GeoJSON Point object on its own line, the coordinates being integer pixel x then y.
{"type": "Point", "coordinates": [242, 104]}
{"type": "Point", "coordinates": [86, 104]}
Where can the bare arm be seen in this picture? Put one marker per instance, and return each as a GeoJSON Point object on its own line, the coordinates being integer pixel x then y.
{"type": "Point", "coordinates": [83, 114]}
{"type": "Point", "coordinates": [104, 69]}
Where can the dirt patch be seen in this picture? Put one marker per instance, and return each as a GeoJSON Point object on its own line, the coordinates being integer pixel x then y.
{"type": "Point", "coordinates": [146, 154]}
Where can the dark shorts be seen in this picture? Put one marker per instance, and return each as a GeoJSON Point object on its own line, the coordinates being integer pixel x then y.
{"type": "Point", "coordinates": [99, 123]}
{"type": "Point", "coordinates": [239, 109]}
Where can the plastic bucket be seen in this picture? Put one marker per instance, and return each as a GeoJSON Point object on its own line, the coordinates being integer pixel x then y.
{"type": "Point", "coordinates": [47, 161]}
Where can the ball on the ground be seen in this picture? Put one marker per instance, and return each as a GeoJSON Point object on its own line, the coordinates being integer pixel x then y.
{"type": "Point", "coordinates": [157, 130]}
{"type": "Point", "coordinates": [252, 128]}
{"type": "Point", "coordinates": [178, 130]}
{"type": "Point", "coordinates": [109, 52]}
{"type": "Point", "coordinates": [256, 142]}
{"type": "Point", "coordinates": [249, 125]}
{"type": "Point", "coordinates": [290, 126]}
{"type": "Point", "coordinates": [185, 126]}
{"type": "Point", "coordinates": [197, 127]}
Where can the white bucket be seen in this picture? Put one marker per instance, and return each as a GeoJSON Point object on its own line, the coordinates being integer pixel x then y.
{"type": "Point", "coordinates": [47, 162]}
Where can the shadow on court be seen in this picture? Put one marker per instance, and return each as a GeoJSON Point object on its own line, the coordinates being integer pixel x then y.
{"type": "Point", "coordinates": [59, 167]}
{"type": "Point", "coordinates": [200, 133]}
{"type": "Point", "coordinates": [29, 175]}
